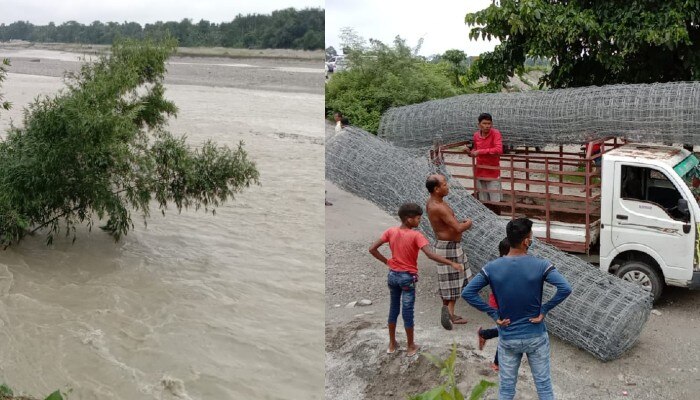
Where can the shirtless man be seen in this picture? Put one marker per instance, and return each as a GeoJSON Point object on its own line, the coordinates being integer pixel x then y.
{"type": "Point", "coordinates": [448, 232]}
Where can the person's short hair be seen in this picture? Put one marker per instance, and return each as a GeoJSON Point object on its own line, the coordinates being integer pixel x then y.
{"type": "Point", "coordinates": [431, 183]}
{"type": "Point", "coordinates": [484, 116]}
{"type": "Point", "coordinates": [338, 114]}
{"type": "Point", "coordinates": [503, 247]}
{"type": "Point", "coordinates": [409, 210]}
{"type": "Point", "coordinates": [517, 230]}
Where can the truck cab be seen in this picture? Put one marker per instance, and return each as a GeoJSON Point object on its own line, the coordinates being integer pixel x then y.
{"type": "Point", "coordinates": [630, 208]}
{"type": "Point", "coordinates": [650, 216]}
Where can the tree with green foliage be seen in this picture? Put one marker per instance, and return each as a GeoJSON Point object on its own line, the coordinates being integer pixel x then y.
{"type": "Point", "coordinates": [288, 28]}
{"type": "Point", "coordinates": [100, 151]}
{"type": "Point", "coordinates": [5, 105]}
{"type": "Point", "coordinates": [382, 76]}
{"type": "Point", "coordinates": [330, 52]}
{"type": "Point", "coordinates": [591, 42]}
{"type": "Point", "coordinates": [458, 64]}
{"type": "Point", "coordinates": [350, 40]}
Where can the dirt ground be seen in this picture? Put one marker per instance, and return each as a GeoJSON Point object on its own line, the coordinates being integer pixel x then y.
{"type": "Point", "coordinates": [663, 364]}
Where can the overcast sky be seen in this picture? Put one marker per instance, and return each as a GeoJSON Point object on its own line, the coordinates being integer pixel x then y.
{"type": "Point", "coordinates": [439, 22]}
{"type": "Point", "coordinates": [41, 12]}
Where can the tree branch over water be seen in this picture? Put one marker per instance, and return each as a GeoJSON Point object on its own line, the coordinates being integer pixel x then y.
{"type": "Point", "coordinates": [99, 150]}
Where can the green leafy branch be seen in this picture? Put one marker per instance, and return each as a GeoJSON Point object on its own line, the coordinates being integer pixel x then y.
{"type": "Point", "coordinates": [7, 394]}
{"type": "Point", "coordinates": [448, 390]}
{"type": "Point", "coordinates": [99, 150]}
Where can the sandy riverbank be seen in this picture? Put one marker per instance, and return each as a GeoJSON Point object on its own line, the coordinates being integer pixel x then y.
{"type": "Point", "coordinates": [292, 76]}
{"type": "Point", "coordinates": [287, 54]}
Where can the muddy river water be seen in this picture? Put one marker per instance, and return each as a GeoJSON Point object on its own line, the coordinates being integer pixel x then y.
{"type": "Point", "coordinates": [193, 306]}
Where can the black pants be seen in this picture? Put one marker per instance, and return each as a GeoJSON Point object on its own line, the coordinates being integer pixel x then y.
{"type": "Point", "coordinates": [490, 334]}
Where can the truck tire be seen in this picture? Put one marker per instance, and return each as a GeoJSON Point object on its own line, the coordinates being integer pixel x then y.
{"type": "Point", "coordinates": [644, 275]}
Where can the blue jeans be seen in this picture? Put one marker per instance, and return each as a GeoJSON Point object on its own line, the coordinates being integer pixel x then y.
{"type": "Point", "coordinates": [402, 290]}
{"type": "Point", "coordinates": [510, 352]}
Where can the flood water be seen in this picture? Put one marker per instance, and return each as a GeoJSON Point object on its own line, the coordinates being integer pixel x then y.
{"type": "Point", "coordinates": [193, 306]}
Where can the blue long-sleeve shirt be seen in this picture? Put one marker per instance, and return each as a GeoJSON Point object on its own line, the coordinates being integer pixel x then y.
{"type": "Point", "coordinates": [517, 283]}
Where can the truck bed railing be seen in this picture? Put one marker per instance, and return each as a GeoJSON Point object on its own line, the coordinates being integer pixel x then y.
{"type": "Point", "coordinates": [552, 185]}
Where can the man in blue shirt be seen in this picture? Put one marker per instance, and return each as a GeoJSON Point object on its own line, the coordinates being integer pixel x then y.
{"type": "Point", "coordinates": [516, 281]}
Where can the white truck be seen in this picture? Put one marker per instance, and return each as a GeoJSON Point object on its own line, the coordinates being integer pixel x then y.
{"type": "Point", "coordinates": [636, 214]}
{"type": "Point", "coordinates": [336, 63]}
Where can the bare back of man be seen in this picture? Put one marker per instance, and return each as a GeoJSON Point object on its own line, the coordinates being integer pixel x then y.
{"type": "Point", "coordinates": [448, 232]}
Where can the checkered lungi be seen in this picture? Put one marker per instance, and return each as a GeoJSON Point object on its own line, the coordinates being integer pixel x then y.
{"type": "Point", "coordinates": [450, 281]}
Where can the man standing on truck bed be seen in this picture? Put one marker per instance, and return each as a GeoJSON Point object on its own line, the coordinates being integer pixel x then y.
{"type": "Point", "coordinates": [448, 235]}
{"type": "Point", "coordinates": [487, 148]}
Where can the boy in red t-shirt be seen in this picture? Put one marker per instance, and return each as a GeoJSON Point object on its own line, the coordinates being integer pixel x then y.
{"type": "Point", "coordinates": [486, 334]}
{"type": "Point", "coordinates": [404, 243]}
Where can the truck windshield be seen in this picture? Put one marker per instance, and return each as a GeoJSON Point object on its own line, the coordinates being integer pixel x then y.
{"type": "Point", "coordinates": [689, 170]}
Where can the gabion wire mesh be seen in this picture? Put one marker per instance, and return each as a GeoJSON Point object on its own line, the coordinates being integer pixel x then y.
{"type": "Point", "coordinates": [604, 315]}
{"type": "Point", "coordinates": [657, 113]}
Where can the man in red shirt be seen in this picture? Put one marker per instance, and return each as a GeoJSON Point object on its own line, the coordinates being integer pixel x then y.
{"type": "Point", "coordinates": [487, 148]}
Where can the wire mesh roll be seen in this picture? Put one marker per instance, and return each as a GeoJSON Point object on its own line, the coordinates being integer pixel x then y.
{"type": "Point", "coordinates": [655, 113]}
{"type": "Point", "coordinates": [604, 315]}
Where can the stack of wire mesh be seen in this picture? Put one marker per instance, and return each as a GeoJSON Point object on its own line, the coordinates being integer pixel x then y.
{"type": "Point", "coordinates": [655, 113]}
{"type": "Point", "coordinates": [604, 315]}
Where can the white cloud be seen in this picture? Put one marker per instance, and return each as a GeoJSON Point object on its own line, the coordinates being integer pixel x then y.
{"type": "Point", "coordinates": [439, 22]}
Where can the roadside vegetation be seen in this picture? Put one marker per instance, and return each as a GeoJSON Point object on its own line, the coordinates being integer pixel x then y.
{"type": "Point", "coordinates": [384, 76]}
{"type": "Point", "coordinates": [380, 76]}
{"type": "Point", "coordinates": [542, 45]}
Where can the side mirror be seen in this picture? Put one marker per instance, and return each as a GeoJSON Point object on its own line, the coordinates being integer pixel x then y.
{"type": "Point", "coordinates": [683, 208]}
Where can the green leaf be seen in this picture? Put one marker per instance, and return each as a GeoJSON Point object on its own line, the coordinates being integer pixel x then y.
{"type": "Point", "coordinates": [456, 394]}
{"type": "Point", "coordinates": [450, 362]}
{"type": "Point", "coordinates": [479, 390]}
{"type": "Point", "coordinates": [5, 390]}
{"type": "Point", "coordinates": [436, 361]}
{"type": "Point", "coordinates": [55, 396]}
{"type": "Point", "coordinates": [432, 394]}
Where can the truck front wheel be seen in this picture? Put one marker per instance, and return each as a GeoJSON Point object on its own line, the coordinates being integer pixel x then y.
{"type": "Point", "coordinates": [644, 275]}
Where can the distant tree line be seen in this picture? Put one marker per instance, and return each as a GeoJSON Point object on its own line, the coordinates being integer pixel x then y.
{"type": "Point", "coordinates": [283, 29]}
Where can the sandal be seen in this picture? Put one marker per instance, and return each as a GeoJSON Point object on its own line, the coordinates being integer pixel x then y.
{"type": "Point", "coordinates": [445, 318]}
{"type": "Point", "coordinates": [482, 341]}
